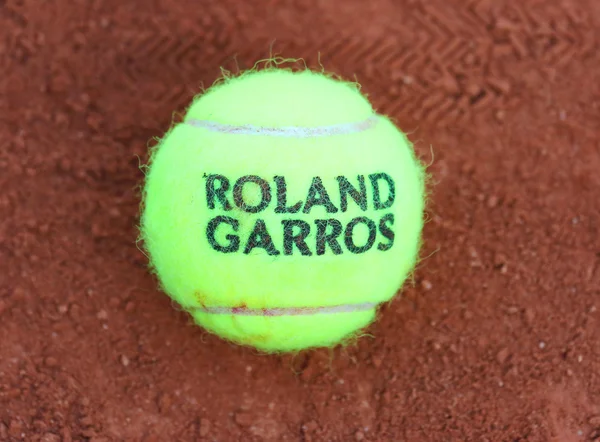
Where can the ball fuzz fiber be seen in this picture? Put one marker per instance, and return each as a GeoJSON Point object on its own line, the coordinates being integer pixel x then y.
{"type": "Point", "coordinates": [283, 210]}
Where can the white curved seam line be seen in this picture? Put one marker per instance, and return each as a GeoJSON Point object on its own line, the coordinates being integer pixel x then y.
{"type": "Point", "coordinates": [286, 311]}
{"type": "Point", "coordinates": [287, 131]}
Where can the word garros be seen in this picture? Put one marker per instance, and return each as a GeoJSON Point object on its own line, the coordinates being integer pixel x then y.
{"type": "Point", "coordinates": [330, 233]}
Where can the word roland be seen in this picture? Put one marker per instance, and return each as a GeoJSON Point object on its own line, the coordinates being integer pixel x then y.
{"type": "Point", "coordinates": [299, 236]}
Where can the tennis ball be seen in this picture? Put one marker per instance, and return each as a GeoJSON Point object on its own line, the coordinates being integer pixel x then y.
{"type": "Point", "coordinates": [283, 210]}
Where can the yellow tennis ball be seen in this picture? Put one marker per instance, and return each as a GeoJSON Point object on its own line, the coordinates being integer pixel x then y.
{"type": "Point", "coordinates": [283, 210]}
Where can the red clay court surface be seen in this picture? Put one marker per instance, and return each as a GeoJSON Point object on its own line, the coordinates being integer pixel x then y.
{"type": "Point", "coordinates": [496, 340]}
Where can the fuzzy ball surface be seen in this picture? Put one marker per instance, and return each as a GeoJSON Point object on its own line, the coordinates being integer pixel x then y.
{"type": "Point", "coordinates": [283, 210]}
